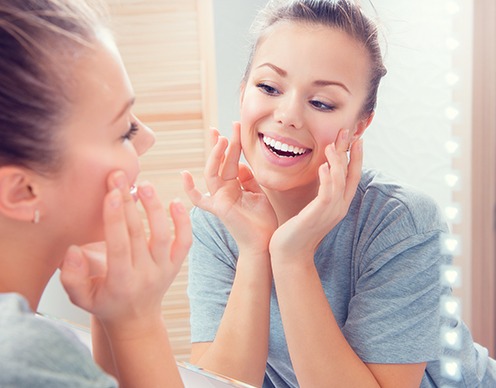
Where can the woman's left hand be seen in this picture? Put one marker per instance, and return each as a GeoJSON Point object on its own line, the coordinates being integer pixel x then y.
{"type": "Point", "coordinates": [339, 179]}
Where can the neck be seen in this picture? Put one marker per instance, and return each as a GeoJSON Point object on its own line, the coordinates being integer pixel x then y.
{"type": "Point", "coordinates": [289, 203]}
{"type": "Point", "coordinates": [28, 263]}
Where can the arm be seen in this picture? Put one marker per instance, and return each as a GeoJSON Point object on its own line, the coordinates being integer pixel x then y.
{"type": "Point", "coordinates": [323, 354]}
{"type": "Point", "coordinates": [234, 352]}
{"type": "Point", "coordinates": [101, 347]}
{"type": "Point", "coordinates": [127, 297]}
{"type": "Point", "coordinates": [237, 200]}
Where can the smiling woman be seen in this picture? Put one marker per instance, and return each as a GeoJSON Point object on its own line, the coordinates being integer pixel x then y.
{"type": "Point", "coordinates": [333, 268]}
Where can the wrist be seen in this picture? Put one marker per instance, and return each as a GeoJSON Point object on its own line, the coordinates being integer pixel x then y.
{"type": "Point", "coordinates": [133, 329]}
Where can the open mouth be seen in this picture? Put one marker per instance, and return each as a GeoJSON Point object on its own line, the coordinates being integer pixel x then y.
{"type": "Point", "coordinates": [283, 150]}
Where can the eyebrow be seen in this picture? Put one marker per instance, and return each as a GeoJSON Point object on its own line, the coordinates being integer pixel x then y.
{"type": "Point", "coordinates": [124, 109]}
{"type": "Point", "coordinates": [284, 73]}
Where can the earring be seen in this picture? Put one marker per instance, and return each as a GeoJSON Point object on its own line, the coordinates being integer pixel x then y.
{"type": "Point", "coordinates": [36, 216]}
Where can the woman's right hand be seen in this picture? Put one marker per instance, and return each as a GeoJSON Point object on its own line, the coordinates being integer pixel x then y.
{"type": "Point", "coordinates": [126, 282]}
{"type": "Point", "coordinates": [234, 195]}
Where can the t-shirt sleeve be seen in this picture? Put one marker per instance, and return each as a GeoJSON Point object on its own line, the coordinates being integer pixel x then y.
{"type": "Point", "coordinates": [212, 266]}
{"type": "Point", "coordinates": [393, 314]}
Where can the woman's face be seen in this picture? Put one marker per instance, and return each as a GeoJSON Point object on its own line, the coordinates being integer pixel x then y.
{"type": "Point", "coordinates": [101, 136]}
{"type": "Point", "coordinates": [306, 83]}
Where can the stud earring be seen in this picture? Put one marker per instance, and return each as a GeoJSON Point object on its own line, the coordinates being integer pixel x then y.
{"type": "Point", "coordinates": [36, 217]}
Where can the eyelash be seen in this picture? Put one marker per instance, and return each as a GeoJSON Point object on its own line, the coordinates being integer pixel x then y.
{"type": "Point", "coordinates": [271, 91]}
{"type": "Point", "coordinates": [267, 89]}
{"type": "Point", "coordinates": [322, 106]}
{"type": "Point", "coordinates": [133, 130]}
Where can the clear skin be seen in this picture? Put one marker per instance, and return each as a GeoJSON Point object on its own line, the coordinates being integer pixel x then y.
{"type": "Point", "coordinates": [306, 88]}
{"type": "Point", "coordinates": [89, 200]}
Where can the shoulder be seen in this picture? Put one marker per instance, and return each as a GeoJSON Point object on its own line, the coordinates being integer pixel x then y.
{"type": "Point", "coordinates": [385, 199]}
{"type": "Point", "coordinates": [32, 349]}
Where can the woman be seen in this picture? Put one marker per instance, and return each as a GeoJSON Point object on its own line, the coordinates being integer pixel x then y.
{"type": "Point", "coordinates": [68, 164]}
{"type": "Point", "coordinates": [306, 270]}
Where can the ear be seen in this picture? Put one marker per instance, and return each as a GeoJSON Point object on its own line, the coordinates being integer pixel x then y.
{"type": "Point", "coordinates": [361, 126]}
{"type": "Point", "coordinates": [18, 193]}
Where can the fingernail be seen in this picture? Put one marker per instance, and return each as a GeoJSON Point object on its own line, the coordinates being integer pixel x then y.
{"type": "Point", "coordinates": [115, 198]}
{"type": "Point", "coordinates": [179, 206]}
{"type": "Point", "coordinates": [147, 190]}
{"type": "Point", "coordinates": [119, 180]}
{"type": "Point", "coordinates": [345, 134]}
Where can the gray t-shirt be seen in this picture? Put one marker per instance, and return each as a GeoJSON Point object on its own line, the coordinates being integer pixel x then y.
{"type": "Point", "coordinates": [40, 353]}
{"type": "Point", "coordinates": [379, 268]}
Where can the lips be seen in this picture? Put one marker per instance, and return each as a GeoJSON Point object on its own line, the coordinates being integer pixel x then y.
{"type": "Point", "coordinates": [282, 149]}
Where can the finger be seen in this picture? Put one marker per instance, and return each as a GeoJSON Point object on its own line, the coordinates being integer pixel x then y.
{"type": "Point", "coordinates": [214, 139]}
{"type": "Point", "coordinates": [133, 221]}
{"type": "Point", "coordinates": [116, 235]}
{"type": "Point", "coordinates": [247, 179]}
{"type": "Point", "coordinates": [75, 277]}
{"type": "Point", "coordinates": [233, 153]}
{"type": "Point", "coordinates": [214, 136]}
{"type": "Point", "coordinates": [332, 174]}
{"type": "Point", "coordinates": [213, 165]}
{"type": "Point", "coordinates": [343, 140]}
{"type": "Point", "coordinates": [195, 196]}
{"type": "Point", "coordinates": [354, 170]}
{"type": "Point", "coordinates": [160, 235]}
{"type": "Point", "coordinates": [183, 233]}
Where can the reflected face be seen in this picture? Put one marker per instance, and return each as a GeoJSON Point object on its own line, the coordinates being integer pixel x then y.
{"type": "Point", "coordinates": [102, 135]}
{"type": "Point", "coordinates": [306, 83]}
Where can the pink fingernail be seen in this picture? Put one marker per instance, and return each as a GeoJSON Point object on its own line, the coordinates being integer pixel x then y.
{"type": "Point", "coordinates": [147, 190]}
{"type": "Point", "coordinates": [179, 206]}
{"type": "Point", "coordinates": [115, 198]}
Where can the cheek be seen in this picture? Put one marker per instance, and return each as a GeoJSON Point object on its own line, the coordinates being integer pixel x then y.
{"type": "Point", "coordinates": [254, 106]}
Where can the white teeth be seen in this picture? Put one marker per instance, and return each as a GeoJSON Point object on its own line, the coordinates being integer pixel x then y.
{"type": "Point", "coordinates": [283, 146]}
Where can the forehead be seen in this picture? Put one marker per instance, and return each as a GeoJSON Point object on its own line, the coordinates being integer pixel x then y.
{"type": "Point", "coordinates": [100, 84]}
{"type": "Point", "coordinates": [314, 50]}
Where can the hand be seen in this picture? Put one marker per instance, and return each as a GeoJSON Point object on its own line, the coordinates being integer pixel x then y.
{"type": "Point", "coordinates": [301, 235]}
{"type": "Point", "coordinates": [234, 195]}
{"type": "Point", "coordinates": [129, 286]}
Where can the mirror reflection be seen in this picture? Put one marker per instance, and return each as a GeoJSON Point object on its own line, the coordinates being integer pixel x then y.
{"type": "Point", "coordinates": [424, 105]}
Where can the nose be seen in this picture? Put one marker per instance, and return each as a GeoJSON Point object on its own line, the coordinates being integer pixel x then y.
{"type": "Point", "coordinates": [144, 139]}
{"type": "Point", "coordinates": [289, 111]}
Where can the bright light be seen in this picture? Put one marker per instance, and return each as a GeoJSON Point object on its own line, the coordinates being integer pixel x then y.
{"type": "Point", "coordinates": [451, 113]}
{"type": "Point", "coordinates": [450, 307]}
{"type": "Point", "coordinates": [452, 146]}
{"type": "Point", "coordinates": [450, 275]}
{"type": "Point", "coordinates": [451, 368]}
{"type": "Point", "coordinates": [452, 179]}
{"type": "Point", "coordinates": [451, 337]}
{"type": "Point", "coordinates": [452, 79]}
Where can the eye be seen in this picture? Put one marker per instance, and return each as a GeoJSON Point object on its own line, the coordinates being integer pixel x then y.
{"type": "Point", "coordinates": [267, 89]}
{"type": "Point", "coordinates": [322, 106]}
{"type": "Point", "coordinates": [131, 132]}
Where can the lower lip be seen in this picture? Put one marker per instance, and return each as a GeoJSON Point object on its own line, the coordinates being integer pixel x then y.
{"type": "Point", "coordinates": [282, 161]}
